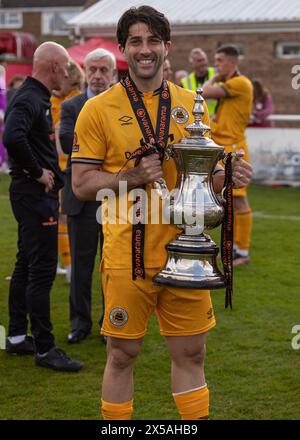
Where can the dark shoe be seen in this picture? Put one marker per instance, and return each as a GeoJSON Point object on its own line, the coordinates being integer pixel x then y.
{"type": "Point", "coordinates": [76, 336]}
{"type": "Point", "coordinates": [104, 339]}
{"type": "Point", "coordinates": [240, 260]}
{"type": "Point", "coordinates": [22, 348]}
{"type": "Point", "coordinates": [56, 359]}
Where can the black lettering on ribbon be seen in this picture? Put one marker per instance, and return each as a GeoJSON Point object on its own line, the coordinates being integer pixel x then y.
{"type": "Point", "coordinates": [227, 232]}
{"type": "Point", "coordinates": [159, 140]}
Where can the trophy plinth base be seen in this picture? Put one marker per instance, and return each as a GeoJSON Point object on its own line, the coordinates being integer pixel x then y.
{"type": "Point", "coordinates": [192, 264]}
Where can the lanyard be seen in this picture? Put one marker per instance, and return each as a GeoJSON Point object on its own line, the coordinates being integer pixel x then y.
{"type": "Point", "coordinates": [159, 138]}
{"type": "Point", "coordinates": [227, 232]}
{"type": "Point", "coordinates": [163, 115]}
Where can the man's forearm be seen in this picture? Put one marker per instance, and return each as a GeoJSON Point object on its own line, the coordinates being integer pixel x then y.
{"type": "Point", "coordinates": [213, 90]}
{"type": "Point", "coordinates": [87, 184]}
{"type": "Point", "coordinates": [208, 86]}
{"type": "Point", "coordinates": [93, 181]}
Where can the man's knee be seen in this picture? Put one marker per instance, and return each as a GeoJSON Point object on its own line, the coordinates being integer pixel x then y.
{"type": "Point", "coordinates": [190, 354]}
{"type": "Point", "coordinates": [122, 355]}
{"type": "Point", "coordinates": [241, 203]}
{"type": "Point", "coordinates": [196, 354]}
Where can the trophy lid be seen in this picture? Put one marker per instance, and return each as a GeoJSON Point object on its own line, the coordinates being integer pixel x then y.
{"type": "Point", "coordinates": [197, 128]}
{"type": "Point", "coordinates": [199, 133]}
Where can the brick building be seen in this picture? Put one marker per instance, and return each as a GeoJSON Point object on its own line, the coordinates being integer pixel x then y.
{"type": "Point", "coordinates": [42, 18]}
{"type": "Point", "coordinates": [266, 32]}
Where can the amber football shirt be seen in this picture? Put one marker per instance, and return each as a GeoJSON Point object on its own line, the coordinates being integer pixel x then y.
{"type": "Point", "coordinates": [233, 112]}
{"type": "Point", "coordinates": [106, 131]}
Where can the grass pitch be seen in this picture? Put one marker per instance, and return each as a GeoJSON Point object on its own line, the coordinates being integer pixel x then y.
{"type": "Point", "coordinates": [251, 368]}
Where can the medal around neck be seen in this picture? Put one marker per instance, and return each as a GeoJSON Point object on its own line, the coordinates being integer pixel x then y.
{"type": "Point", "coordinates": [194, 208]}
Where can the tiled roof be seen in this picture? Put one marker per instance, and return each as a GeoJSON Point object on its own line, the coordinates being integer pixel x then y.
{"type": "Point", "coordinates": [106, 13]}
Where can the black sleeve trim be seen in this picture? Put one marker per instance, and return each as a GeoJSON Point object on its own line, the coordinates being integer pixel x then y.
{"type": "Point", "coordinates": [88, 160]}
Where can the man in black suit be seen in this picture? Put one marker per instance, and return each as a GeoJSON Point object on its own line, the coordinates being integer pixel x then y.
{"type": "Point", "coordinates": [84, 231]}
{"type": "Point", "coordinates": [35, 182]}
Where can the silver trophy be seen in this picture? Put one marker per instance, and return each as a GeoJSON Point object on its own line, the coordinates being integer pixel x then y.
{"type": "Point", "coordinates": [195, 208]}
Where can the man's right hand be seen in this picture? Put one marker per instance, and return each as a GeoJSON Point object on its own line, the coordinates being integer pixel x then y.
{"type": "Point", "coordinates": [47, 179]}
{"type": "Point", "coordinates": [149, 169]}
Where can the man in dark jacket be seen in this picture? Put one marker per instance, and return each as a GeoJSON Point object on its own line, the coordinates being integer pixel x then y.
{"type": "Point", "coordinates": [36, 179]}
{"type": "Point", "coordinates": [84, 231]}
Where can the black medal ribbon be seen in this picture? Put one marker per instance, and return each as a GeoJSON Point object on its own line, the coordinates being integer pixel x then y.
{"type": "Point", "coordinates": [227, 232]}
{"type": "Point", "coordinates": [159, 140]}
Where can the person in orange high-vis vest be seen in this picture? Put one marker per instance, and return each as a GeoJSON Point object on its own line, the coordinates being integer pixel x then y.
{"type": "Point", "coordinates": [72, 86]}
{"type": "Point", "coordinates": [235, 94]}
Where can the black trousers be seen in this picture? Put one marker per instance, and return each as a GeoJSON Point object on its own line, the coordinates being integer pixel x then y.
{"type": "Point", "coordinates": [35, 267]}
{"type": "Point", "coordinates": [84, 234]}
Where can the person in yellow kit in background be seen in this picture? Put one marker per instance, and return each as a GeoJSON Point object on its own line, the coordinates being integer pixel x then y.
{"type": "Point", "coordinates": [73, 85]}
{"type": "Point", "coordinates": [201, 72]}
{"type": "Point", "coordinates": [235, 94]}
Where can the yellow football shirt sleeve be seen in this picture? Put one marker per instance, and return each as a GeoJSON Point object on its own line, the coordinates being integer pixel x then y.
{"type": "Point", "coordinates": [235, 86]}
{"type": "Point", "coordinates": [89, 144]}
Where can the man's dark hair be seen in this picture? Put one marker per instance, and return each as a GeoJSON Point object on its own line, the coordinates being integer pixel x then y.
{"type": "Point", "coordinates": [157, 23]}
{"type": "Point", "coordinates": [230, 51]}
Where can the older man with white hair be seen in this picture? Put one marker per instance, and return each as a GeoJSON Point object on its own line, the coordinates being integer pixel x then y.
{"type": "Point", "coordinates": [200, 73]}
{"type": "Point", "coordinates": [84, 231]}
{"type": "Point", "coordinates": [36, 180]}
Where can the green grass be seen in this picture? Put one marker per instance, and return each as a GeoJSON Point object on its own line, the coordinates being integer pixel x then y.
{"type": "Point", "coordinates": [251, 368]}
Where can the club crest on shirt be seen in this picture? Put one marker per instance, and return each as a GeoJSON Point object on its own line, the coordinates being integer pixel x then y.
{"type": "Point", "coordinates": [118, 317]}
{"type": "Point", "coordinates": [179, 115]}
{"type": "Point", "coordinates": [75, 147]}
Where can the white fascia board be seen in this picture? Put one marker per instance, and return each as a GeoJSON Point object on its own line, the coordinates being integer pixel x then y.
{"type": "Point", "coordinates": [201, 29]}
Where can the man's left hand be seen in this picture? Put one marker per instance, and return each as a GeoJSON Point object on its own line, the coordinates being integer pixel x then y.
{"type": "Point", "coordinates": [241, 171]}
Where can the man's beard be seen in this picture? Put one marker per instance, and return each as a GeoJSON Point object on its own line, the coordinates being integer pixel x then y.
{"type": "Point", "coordinates": [139, 73]}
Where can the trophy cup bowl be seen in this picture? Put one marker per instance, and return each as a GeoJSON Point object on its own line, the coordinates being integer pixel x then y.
{"type": "Point", "coordinates": [194, 208]}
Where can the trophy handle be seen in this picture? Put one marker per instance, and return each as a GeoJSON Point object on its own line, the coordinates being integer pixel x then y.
{"type": "Point", "coordinates": [224, 156]}
{"type": "Point", "coordinates": [161, 188]}
{"type": "Point", "coordinates": [221, 198]}
{"type": "Point", "coordinates": [160, 185]}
